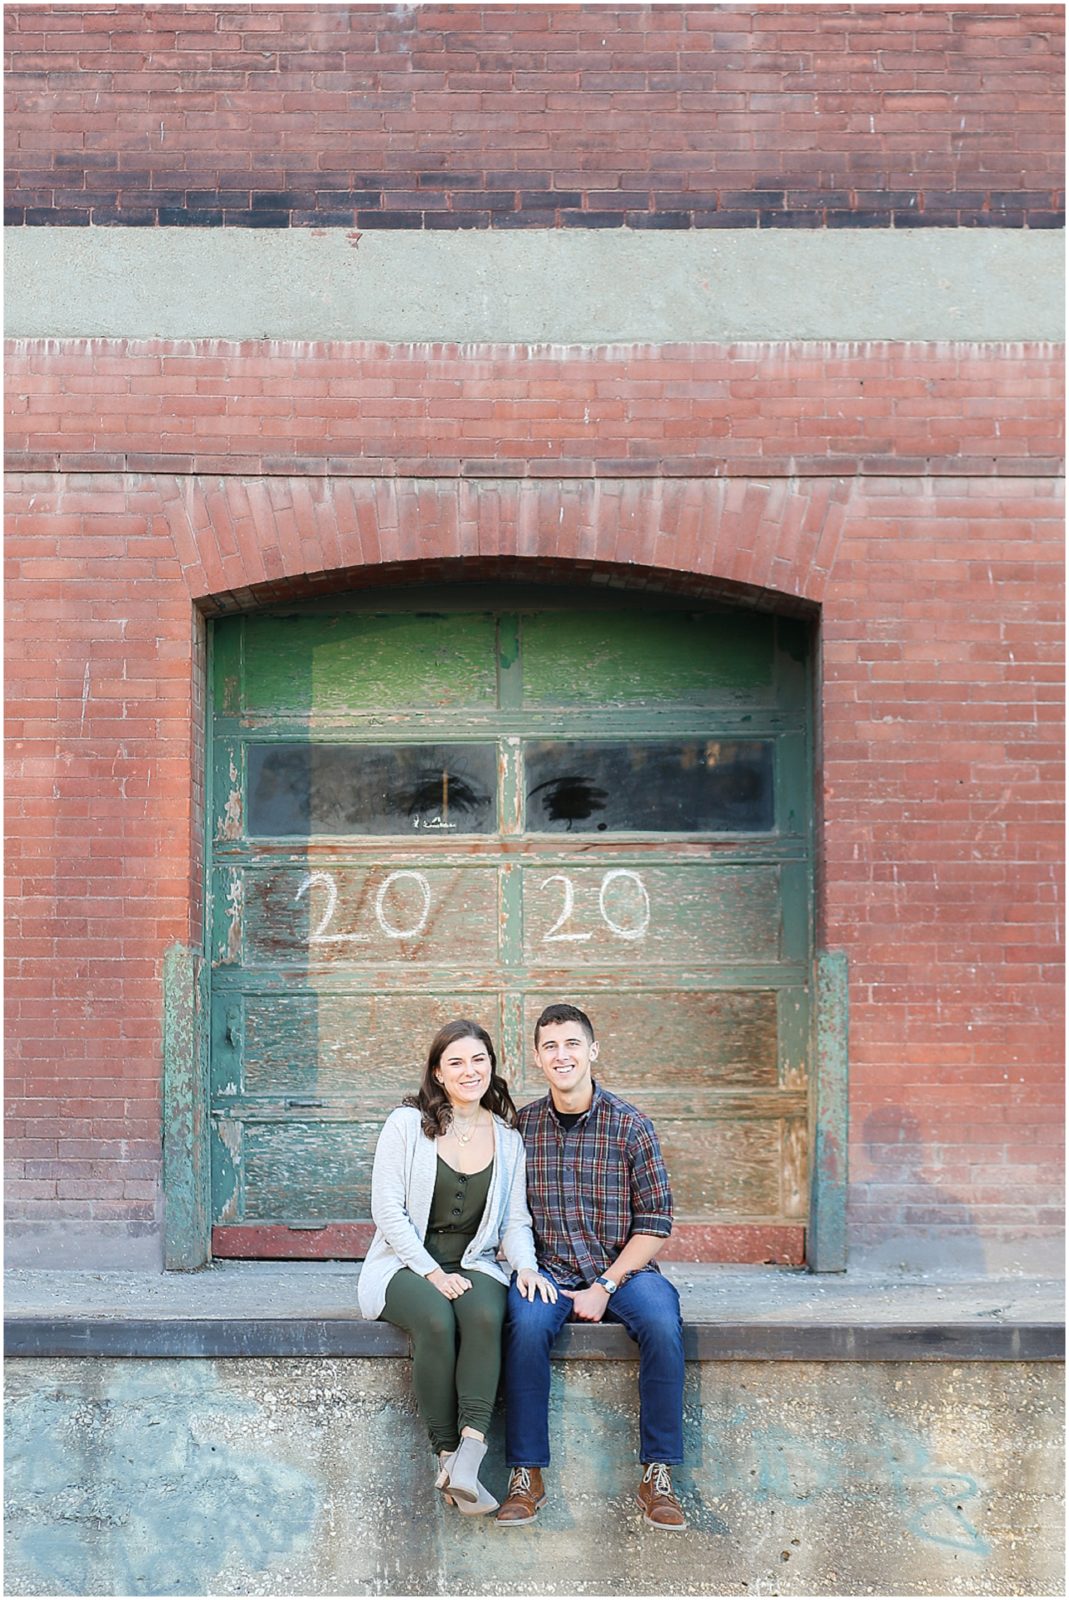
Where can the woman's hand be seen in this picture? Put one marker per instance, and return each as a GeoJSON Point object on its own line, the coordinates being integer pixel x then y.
{"type": "Point", "coordinates": [530, 1283]}
{"type": "Point", "coordinates": [451, 1284]}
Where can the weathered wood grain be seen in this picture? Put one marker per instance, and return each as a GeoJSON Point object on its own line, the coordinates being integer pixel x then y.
{"type": "Point", "coordinates": [354, 915]}
{"type": "Point", "coordinates": [587, 658]}
{"type": "Point", "coordinates": [347, 1047]}
{"type": "Point", "coordinates": [651, 916]}
{"type": "Point", "coordinates": [303, 1170]}
{"type": "Point", "coordinates": [679, 1041]}
{"type": "Point", "coordinates": [722, 1172]}
{"type": "Point", "coordinates": [326, 665]}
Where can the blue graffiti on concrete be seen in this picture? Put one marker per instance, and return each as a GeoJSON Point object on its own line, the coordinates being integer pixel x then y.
{"type": "Point", "coordinates": [144, 1489]}
{"type": "Point", "coordinates": [890, 1468]}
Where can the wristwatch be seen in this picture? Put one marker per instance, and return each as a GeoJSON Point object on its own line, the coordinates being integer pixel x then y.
{"type": "Point", "coordinates": [607, 1284]}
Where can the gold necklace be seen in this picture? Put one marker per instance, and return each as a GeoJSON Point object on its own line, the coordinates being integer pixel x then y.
{"type": "Point", "coordinates": [464, 1138]}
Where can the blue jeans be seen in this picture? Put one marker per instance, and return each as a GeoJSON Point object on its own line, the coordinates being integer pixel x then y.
{"type": "Point", "coordinates": [648, 1307]}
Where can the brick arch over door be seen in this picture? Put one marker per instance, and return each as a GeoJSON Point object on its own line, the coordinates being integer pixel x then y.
{"type": "Point", "coordinates": [242, 542]}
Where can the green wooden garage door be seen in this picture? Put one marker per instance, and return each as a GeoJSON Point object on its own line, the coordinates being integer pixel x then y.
{"type": "Point", "coordinates": [475, 808]}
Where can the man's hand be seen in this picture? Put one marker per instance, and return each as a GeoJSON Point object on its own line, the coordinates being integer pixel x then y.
{"type": "Point", "coordinates": [588, 1304]}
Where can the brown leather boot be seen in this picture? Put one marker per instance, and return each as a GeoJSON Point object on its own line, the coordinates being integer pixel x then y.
{"type": "Point", "coordinates": [660, 1508]}
{"type": "Point", "coordinates": [526, 1494]}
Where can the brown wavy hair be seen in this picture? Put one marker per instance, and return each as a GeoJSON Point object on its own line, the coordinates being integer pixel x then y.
{"type": "Point", "coordinates": [431, 1100]}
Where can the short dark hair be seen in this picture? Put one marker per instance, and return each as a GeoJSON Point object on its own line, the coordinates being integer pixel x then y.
{"type": "Point", "coordinates": [563, 1013]}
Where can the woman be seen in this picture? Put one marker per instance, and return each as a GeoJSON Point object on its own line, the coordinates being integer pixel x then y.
{"type": "Point", "coordinates": [448, 1192]}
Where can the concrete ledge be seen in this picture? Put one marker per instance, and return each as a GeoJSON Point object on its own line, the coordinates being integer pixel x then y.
{"type": "Point", "coordinates": [308, 1309]}
{"type": "Point", "coordinates": [346, 1336]}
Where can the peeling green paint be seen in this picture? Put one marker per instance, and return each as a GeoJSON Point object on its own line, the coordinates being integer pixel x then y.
{"type": "Point", "coordinates": [232, 807]}
{"type": "Point", "coordinates": [326, 665]}
{"type": "Point", "coordinates": [187, 1197]}
{"type": "Point", "coordinates": [600, 659]}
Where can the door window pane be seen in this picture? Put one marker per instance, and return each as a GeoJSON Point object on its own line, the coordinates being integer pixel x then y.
{"type": "Point", "coordinates": [650, 785]}
{"type": "Point", "coordinates": [432, 789]}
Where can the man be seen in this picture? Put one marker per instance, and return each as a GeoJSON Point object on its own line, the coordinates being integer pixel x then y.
{"type": "Point", "coordinates": [602, 1209]}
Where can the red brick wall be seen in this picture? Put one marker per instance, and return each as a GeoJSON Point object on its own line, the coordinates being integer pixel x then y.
{"type": "Point", "coordinates": [907, 491]}
{"type": "Point", "coordinates": [941, 709]}
{"type": "Point", "coordinates": [943, 811]}
{"type": "Point", "coordinates": [99, 822]}
{"type": "Point", "coordinates": [476, 116]}
{"type": "Point", "coordinates": [430, 410]}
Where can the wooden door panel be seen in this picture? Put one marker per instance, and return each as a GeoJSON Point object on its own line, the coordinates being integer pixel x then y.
{"type": "Point", "coordinates": [727, 1170]}
{"type": "Point", "coordinates": [604, 660]}
{"type": "Point", "coordinates": [308, 1170]}
{"type": "Point", "coordinates": [355, 915]}
{"type": "Point", "coordinates": [336, 1046]}
{"type": "Point", "coordinates": [687, 914]}
{"type": "Point", "coordinates": [678, 1041]}
{"type": "Point", "coordinates": [319, 1167]}
{"type": "Point", "coordinates": [329, 666]}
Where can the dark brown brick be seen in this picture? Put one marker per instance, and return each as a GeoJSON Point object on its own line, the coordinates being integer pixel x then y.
{"type": "Point", "coordinates": [760, 111]}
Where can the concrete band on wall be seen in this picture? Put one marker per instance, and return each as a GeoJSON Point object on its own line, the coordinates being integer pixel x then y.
{"type": "Point", "coordinates": [959, 284]}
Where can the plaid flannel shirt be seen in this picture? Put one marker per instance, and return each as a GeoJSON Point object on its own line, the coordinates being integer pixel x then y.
{"type": "Point", "coordinates": [590, 1189]}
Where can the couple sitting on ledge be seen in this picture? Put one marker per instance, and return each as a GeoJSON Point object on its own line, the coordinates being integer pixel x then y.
{"type": "Point", "coordinates": [461, 1179]}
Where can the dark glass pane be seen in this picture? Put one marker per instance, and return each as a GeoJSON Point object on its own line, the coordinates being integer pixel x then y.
{"type": "Point", "coordinates": [434, 789]}
{"type": "Point", "coordinates": [647, 785]}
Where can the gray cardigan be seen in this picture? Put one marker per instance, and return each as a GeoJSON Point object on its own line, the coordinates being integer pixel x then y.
{"type": "Point", "coordinates": [402, 1185]}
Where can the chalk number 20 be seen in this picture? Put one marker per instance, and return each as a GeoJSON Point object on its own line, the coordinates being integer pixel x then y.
{"type": "Point", "coordinates": [635, 929]}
